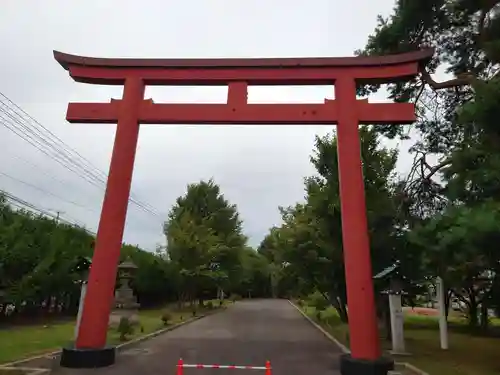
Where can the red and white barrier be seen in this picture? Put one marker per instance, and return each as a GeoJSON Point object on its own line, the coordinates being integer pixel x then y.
{"type": "Point", "coordinates": [181, 366]}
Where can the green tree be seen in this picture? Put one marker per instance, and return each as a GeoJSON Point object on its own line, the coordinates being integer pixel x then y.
{"type": "Point", "coordinates": [191, 248]}
{"type": "Point", "coordinates": [39, 266]}
{"type": "Point", "coordinates": [459, 246]}
{"type": "Point", "coordinates": [457, 124]}
{"type": "Point", "coordinates": [255, 278]}
{"type": "Point", "coordinates": [309, 243]}
{"type": "Point", "coordinates": [466, 35]}
{"type": "Point", "coordinates": [205, 239]}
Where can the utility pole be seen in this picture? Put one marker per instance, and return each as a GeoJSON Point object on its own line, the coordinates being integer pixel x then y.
{"type": "Point", "coordinates": [57, 212]}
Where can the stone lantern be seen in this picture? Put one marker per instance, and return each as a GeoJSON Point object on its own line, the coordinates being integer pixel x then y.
{"type": "Point", "coordinates": [82, 266]}
{"type": "Point", "coordinates": [125, 304]}
{"type": "Point", "coordinates": [126, 272]}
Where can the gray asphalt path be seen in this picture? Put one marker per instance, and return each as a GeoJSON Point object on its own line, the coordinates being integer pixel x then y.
{"type": "Point", "coordinates": [247, 333]}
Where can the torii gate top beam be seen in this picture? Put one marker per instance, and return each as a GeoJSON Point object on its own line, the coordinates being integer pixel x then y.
{"type": "Point", "coordinates": [237, 74]}
{"type": "Point", "coordinates": [260, 71]}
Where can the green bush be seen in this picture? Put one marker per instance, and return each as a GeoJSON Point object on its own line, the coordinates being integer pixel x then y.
{"type": "Point", "coordinates": [331, 317]}
{"type": "Point", "coordinates": [210, 305]}
{"type": "Point", "coordinates": [166, 317]}
{"type": "Point", "coordinates": [125, 328]}
{"type": "Point", "coordinates": [333, 320]}
{"type": "Point", "coordinates": [317, 301]}
{"type": "Point", "coordinates": [235, 297]}
{"type": "Point", "coordinates": [318, 315]}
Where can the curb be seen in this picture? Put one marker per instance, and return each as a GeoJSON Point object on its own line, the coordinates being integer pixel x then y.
{"type": "Point", "coordinates": [342, 347]}
{"type": "Point", "coordinates": [164, 330]}
{"type": "Point", "coordinates": [15, 364]}
{"type": "Point", "coordinates": [27, 370]}
{"type": "Point", "coordinates": [413, 368]}
{"type": "Point", "coordinates": [346, 350]}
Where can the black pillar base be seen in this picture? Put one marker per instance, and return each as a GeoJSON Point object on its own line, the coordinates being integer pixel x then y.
{"type": "Point", "coordinates": [72, 357]}
{"type": "Point", "coordinates": [353, 366]}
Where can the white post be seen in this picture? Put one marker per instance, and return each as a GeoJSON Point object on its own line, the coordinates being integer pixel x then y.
{"type": "Point", "coordinates": [397, 324]}
{"type": "Point", "coordinates": [220, 294]}
{"type": "Point", "coordinates": [83, 291]}
{"type": "Point", "coordinates": [443, 325]}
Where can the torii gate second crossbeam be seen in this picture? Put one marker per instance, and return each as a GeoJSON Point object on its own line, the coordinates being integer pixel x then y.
{"type": "Point", "coordinates": [346, 111]}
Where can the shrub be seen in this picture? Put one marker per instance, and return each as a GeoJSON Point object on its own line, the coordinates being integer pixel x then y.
{"type": "Point", "coordinates": [331, 317]}
{"type": "Point", "coordinates": [235, 297]}
{"type": "Point", "coordinates": [318, 315]}
{"type": "Point", "coordinates": [317, 301]}
{"type": "Point", "coordinates": [125, 328]}
{"type": "Point", "coordinates": [210, 305]}
{"type": "Point", "coordinates": [166, 317]}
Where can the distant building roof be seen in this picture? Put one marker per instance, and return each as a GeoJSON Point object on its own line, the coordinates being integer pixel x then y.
{"type": "Point", "coordinates": [387, 271]}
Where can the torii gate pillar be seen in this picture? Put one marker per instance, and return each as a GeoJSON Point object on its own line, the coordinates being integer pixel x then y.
{"type": "Point", "coordinates": [346, 111]}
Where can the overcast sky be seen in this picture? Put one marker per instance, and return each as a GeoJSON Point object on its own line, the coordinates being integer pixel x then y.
{"type": "Point", "coordinates": [258, 168]}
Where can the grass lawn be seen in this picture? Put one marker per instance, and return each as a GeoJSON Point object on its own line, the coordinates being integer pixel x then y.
{"type": "Point", "coordinates": [468, 354]}
{"type": "Point", "coordinates": [26, 341]}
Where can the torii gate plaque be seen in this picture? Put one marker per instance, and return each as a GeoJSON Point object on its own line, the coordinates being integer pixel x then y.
{"type": "Point", "coordinates": [346, 111]}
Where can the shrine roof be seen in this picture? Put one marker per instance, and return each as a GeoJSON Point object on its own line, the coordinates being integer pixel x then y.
{"type": "Point", "coordinates": [388, 271]}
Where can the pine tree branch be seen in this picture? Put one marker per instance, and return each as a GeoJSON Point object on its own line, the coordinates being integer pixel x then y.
{"type": "Point", "coordinates": [464, 79]}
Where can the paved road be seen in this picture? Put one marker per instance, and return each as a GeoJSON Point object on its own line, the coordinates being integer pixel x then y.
{"type": "Point", "coordinates": [248, 333]}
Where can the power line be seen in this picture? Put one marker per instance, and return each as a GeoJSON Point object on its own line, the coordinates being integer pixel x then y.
{"type": "Point", "coordinates": [41, 170]}
{"type": "Point", "coordinates": [41, 143]}
{"type": "Point", "coordinates": [51, 149]}
{"type": "Point", "coordinates": [22, 204]}
{"type": "Point", "coordinates": [18, 121]}
{"type": "Point", "coordinates": [45, 191]}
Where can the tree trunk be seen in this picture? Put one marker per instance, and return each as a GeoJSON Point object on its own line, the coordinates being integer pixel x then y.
{"type": "Point", "coordinates": [447, 300]}
{"type": "Point", "coordinates": [344, 316]}
{"type": "Point", "coordinates": [473, 313]}
{"type": "Point", "coordinates": [430, 295]}
{"type": "Point", "coordinates": [484, 316]}
{"type": "Point", "coordinates": [388, 327]}
{"type": "Point", "coordinates": [340, 306]}
{"type": "Point", "coordinates": [384, 315]}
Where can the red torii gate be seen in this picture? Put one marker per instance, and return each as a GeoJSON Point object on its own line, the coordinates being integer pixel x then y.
{"type": "Point", "coordinates": [346, 111]}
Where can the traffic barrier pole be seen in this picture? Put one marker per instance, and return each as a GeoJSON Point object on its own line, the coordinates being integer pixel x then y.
{"type": "Point", "coordinates": [180, 367]}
